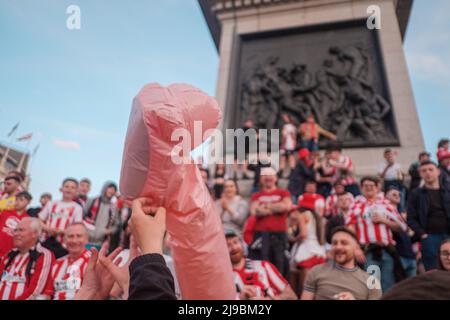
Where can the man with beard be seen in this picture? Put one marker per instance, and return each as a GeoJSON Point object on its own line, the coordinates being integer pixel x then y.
{"type": "Point", "coordinates": [256, 279]}
{"type": "Point", "coordinates": [341, 279]}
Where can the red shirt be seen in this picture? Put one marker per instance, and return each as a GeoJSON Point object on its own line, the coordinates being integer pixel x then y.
{"type": "Point", "coordinates": [275, 222]}
{"type": "Point", "coordinates": [8, 222]}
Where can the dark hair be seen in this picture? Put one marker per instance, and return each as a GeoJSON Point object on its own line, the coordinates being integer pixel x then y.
{"type": "Point", "coordinates": [70, 180]}
{"type": "Point", "coordinates": [334, 147]}
{"type": "Point", "coordinates": [310, 182]}
{"type": "Point", "coordinates": [424, 153]}
{"type": "Point", "coordinates": [442, 142]}
{"type": "Point", "coordinates": [374, 179]}
{"type": "Point", "coordinates": [441, 265]}
{"type": "Point", "coordinates": [318, 220]}
{"type": "Point", "coordinates": [17, 178]}
{"type": "Point", "coordinates": [24, 194]}
{"type": "Point", "coordinates": [229, 233]}
{"type": "Point", "coordinates": [19, 174]}
{"type": "Point", "coordinates": [425, 163]}
{"type": "Point", "coordinates": [235, 185]}
{"type": "Point", "coordinates": [345, 230]}
{"type": "Point", "coordinates": [392, 188]}
{"type": "Point", "coordinates": [86, 180]}
{"type": "Point", "coordinates": [206, 170]}
{"type": "Point", "coordinates": [46, 195]}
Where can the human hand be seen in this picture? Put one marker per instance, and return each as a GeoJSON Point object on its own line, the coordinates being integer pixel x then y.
{"type": "Point", "coordinates": [120, 273]}
{"type": "Point", "coordinates": [247, 293]}
{"type": "Point", "coordinates": [148, 225]}
{"type": "Point", "coordinates": [377, 218]}
{"type": "Point", "coordinates": [98, 281]}
{"type": "Point", "coordinates": [360, 256]}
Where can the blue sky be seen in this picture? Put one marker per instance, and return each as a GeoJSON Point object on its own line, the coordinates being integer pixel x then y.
{"type": "Point", "coordinates": [73, 89]}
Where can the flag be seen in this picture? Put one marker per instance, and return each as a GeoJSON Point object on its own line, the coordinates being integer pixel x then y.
{"type": "Point", "coordinates": [25, 137]}
{"type": "Point", "coordinates": [35, 150]}
{"type": "Point", "coordinates": [13, 129]}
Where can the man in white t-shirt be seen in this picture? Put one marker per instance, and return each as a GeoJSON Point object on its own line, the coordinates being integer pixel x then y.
{"type": "Point", "coordinates": [392, 174]}
{"type": "Point", "coordinates": [56, 216]}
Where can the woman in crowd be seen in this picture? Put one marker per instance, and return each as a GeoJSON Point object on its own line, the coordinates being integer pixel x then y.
{"type": "Point", "coordinates": [232, 207]}
{"type": "Point", "coordinates": [444, 255]}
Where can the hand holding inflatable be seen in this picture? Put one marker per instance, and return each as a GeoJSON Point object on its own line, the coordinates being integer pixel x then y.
{"type": "Point", "coordinates": [197, 240]}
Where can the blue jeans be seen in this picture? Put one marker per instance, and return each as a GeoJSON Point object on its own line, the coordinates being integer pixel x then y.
{"type": "Point", "coordinates": [430, 248]}
{"type": "Point", "coordinates": [386, 266]}
{"type": "Point", "coordinates": [311, 145]}
{"type": "Point", "coordinates": [410, 267]}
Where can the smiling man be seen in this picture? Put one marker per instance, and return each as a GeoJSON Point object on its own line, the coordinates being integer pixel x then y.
{"type": "Point", "coordinates": [341, 279]}
{"type": "Point", "coordinates": [68, 271]}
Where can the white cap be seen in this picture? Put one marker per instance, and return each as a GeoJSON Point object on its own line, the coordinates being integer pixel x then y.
{"type": "Point", "coordinates": [268, 171]}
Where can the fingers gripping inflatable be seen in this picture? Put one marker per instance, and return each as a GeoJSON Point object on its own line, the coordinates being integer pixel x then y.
{"type": "Point", "coordinates": [199, 249]}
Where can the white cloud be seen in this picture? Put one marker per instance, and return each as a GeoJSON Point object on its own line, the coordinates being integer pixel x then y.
{"type": "Point", "coordinates": [67, 145]}
{"type": "Point", "coordinates": [428, 66]}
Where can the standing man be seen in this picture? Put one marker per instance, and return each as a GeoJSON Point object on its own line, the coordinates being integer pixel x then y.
{"type": "Point", "coordinates": [311, 131]}
{"type": "Point", "coordinates": [374, 220]}
{"type": "Point", "coordinates": [403, 241]}
{"type": "Point", "coordinates": [9, 220]}
{"type": "Point", "coordinates": [341, 279]}
{"type": "Point", "coordinates": [270, 206]}
{"type": "Point", "coordinates": [26, 269]}
{"type": "Point", "coordinates": [414, 170]}
{"type": "Point", "coordinates": [429, 213]}
{"type": "Point", "coordinates": [68, 271]}
{"type": "Point", "coordinates": [11, 186]}
{"type": "Point", "coordinates": [303, 171]}
{"type": "Point", "coordinates": [58, 215]}
{"type": "Point", "coordinates": [101, 216]}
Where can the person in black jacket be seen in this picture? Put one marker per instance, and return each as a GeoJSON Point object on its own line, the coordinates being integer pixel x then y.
{"type": "Point", "coordinates": [302, 172]}
{"type": "Point", "coordinates": [148, 277]}
{"type": "Point", "coordinates": [429, 213]}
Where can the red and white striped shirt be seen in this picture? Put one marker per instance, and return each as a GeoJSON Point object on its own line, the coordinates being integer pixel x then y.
{"type": "Point", "coordinates": [331, 205]}
{"type": "Point", "coordinates": [67, 276]}
{"type": "Point", "coordinates": [60, 215]}
{"type": "Point", "coordinates": [15, 284]}
{"type": "Point", "coordinates": [369, 232]}
{"type": "Point", "coordinates": [263, 275]}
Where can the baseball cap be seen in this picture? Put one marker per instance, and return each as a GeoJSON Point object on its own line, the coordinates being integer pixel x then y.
{"type": "Point", "coordinates": [303, 153]}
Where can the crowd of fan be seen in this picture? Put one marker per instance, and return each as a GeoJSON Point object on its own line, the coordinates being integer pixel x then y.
{"type": "Point", "coordinates": [324, 237]}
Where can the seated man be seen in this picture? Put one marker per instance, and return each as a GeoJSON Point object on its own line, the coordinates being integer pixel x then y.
{"type": "Point", "coordinates": [26, 269]}
{"type": "Point", "coordinates": [256, 279]}
{"type": "Point", "coordinates": [341, 279]}
{"type": "Point", "coordinates": [68, 271]}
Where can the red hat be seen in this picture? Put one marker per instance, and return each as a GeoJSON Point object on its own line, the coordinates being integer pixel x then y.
{"type": "Point", "coordinates": [443, 154]}
{"type": "Point", "coordinates": [303, 153]}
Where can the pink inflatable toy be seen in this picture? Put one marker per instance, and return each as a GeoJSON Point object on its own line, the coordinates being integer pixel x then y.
{"type": "Point", "coordinates": [197, 240]}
